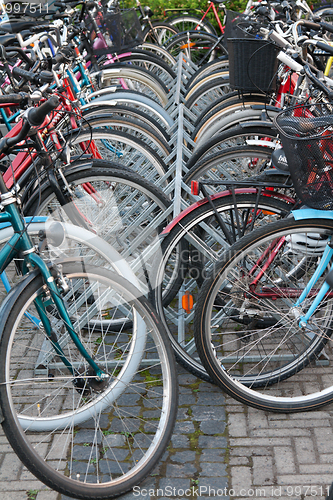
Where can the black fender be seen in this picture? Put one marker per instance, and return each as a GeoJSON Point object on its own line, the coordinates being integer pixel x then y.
{"type": "Point", "coordinates": [72, 168]}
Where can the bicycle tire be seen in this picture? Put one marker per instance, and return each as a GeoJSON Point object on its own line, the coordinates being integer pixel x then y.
{"type": "Point", "coordinates": [269, 355]}
{"type": "Point", "coordinates": [187, 22]}
{"type": "Point", "coordinates": [160, 52]}
{"type": "Point", "coordinates": [222, 63]}
{"type": "Point", "coordinates": [128, 112]}
{"type": "Point", "coordinates": [163, 32]}
{"type": "Point", "coordinates": [225, 105]}
{"type": "Point", "coordinates": [236, 163]}
{"type": "Point", "coordinates": [92, 464]}
{"type": "Point", "coordinates": [207, 93]}
{"type": "Point", "coordinates": [188, 251]}
{"type": "Point", "coordinates": [130, 126]}
{"type": "Point", "coordinates": [133, 99]}
{"type": "Point", "coordinates": [262, 136]}
{"type": "Point", "coordinates": [197, 46]}
{"type": "Point", "coordinates": [135, 78]}
{"type": "Point", "coordinates": [118, 147]}
{"type": "Point", "coordinates": [259, 113]}
{"type": "Point", "coordinates": [132, 213]}
{"type": "Point", "coordinates": [150, 61]}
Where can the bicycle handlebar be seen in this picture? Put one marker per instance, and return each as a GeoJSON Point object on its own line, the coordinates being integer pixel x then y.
{"type": "Point", "coordinates": [36, 116]}
{"type": "Point", "coordinates": [12, 98]}
{"type": "Point", "coordinates": [42, 76]}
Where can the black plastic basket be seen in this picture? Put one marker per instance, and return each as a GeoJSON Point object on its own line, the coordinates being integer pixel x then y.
{"type": "Point", "coordinates": [237, 24]}
{"type": "Point", "coordinates": [306, 133]}
{"type": "Point", "coordinates": [121, 30]}
{"type": "Point", "coordinates": [252, 64]}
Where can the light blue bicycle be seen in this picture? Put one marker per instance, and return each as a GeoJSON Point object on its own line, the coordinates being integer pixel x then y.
{"type": "Point", "coordinates": [264, 317]}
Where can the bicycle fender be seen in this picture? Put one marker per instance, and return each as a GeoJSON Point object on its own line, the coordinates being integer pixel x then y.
{"type": "Point", "coordinates": [198, 204]}
{"type": "Point", "coordinates": [311, 213]}
{"type": "Point", "coordinates": [257, 123]}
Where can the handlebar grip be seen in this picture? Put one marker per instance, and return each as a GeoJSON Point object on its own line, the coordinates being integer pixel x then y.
{"type": "Point", "coordinates": [310, 25]}
{"type": "Point", "coordinates": [324, 46]}
{"type": "Point", "coordinates": [22, 73]}
{"type": "Point", "coordinates": [279, 40]}
{"type": "Point", "coordinates": [290, 62]}
{"type": "Point", "coordinates": [319, 84]}
{"type": "Point", "coordinates": [11, 98]}
{"type": "Point", "coordinates": [36, 116]}
{"type": "Point", "coordinates": [326, 26]}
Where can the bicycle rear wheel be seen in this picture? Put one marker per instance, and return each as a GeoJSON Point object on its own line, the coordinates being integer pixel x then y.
{"type": "Point", "coordinates": [247, 328]}
{"type": "Point", "coordinates": [191, 248]}
{"type": "Point", "coordinates": [128, 419]}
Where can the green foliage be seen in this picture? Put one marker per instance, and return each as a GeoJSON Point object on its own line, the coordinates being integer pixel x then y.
{"type": "Point", "coordinates": [32, 494]}
{"type": "Point", "coordinates": [159, 6]}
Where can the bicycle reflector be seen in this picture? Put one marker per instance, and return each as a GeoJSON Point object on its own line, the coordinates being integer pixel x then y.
{"type": "Point", "coordinates": [187, 302]}
{"type": "Point", "coordinates": [195, 188]}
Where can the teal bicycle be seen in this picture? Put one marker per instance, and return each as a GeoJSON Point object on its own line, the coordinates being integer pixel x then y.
{"type": "Point", "coordinates": [88, 392]}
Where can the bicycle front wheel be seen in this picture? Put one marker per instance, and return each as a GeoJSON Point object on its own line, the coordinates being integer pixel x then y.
{"type": "Point", "coordinates": [91, 439]}
{"type": "Point", "coordinates": [247, 327]}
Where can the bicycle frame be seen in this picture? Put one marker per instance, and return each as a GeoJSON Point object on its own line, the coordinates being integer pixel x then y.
{"type": "Point", "coordinates": [20, 243]}
{"type": "Point", "coordinates": [268, 257]}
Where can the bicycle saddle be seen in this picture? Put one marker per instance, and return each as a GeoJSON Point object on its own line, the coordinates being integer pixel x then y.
{"type": "Point", "coordinates": [18, 26]}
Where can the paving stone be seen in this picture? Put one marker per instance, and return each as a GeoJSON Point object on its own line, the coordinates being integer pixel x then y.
{"type": "Point", "coordinates": [185, 470]}
{"type": "Point", "coordinates": [84, 452]}
{"type": "Point", "coordinates": [212, 469]}
{"type": "Point", "coordinates": [212, 442]}
{"type": "Point", "coordinates": [212, 426]}
{"type": "Point", "coordinates": [316, 469]}
{"type": "Point", "coordinates": [324, 440]}
{"type": "Point", "coordinates": [250, 451]}
{"type": "Point", "coordinates": [256, 419]}
{"type": "Point", "coordinates": [186, 399]}
{"type": "Point", "coordinates": [15, 495]}
{"type": "Point", "coordinates": [280, 432]}
{"type": "Point", "coordinates": [47, 495]}
{"type": "Point", "coordinates": [186, 427]}
{"type": "Point", "coordinates": [305, 479]}
{"type": "Point", "coordinates": [212, 455]}
{"type": "Point", "coordinates": [183, 456]}
{"type": "Point", "coordinates": [11, 467]}
{"type": "Point", "coordinates": [180, 441]}
{"type": "Point", "coordinates": [237, 425]}
{"type": "Point", "coordinates": [209, 485]}
{"type": "Point", "coordinates": [285, 424]}
{"type": "Point", "coordinates": [305, 451]}
{"type": "Point", "coordinates": [284, 460]}
{"type": "Point", "coordinates": [208, 413]}
{"type": "Point", "coordinates": [173, 485]}
{"type": "Point", "coordinates": [238, 461]}
{"type": "Point", "coordinates": [187, 379]}
{"type": "Point", "coordinates": [257, 441]}
{"type": "Point", "coordinates": [241, 477]}
{"type": "Point", "coordinates": [88, 436]}
{"type": "Point", "coordinates": [263, 471]}
{"type": "Point", "coordinates": [206, 398]}
{"type": "Point", "coordinates": [91, 424]}
{"type": "Point", "coordinates": [18, 485]}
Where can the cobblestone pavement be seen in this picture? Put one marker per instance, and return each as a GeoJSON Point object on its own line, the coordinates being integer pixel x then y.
{"type": "Point", "coordinates": [220, 449]}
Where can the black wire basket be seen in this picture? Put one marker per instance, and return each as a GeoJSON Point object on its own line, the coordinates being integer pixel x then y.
{"type": "Point", "coordinates": [252, 64]}
{"type": "Point", "coordinates": [121, 29]}
{"type": "Point", "coordinates": [306, 133]}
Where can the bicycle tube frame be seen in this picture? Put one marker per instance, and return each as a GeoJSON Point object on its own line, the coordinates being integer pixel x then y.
{"type": "Point", "coordinates": [20, 242]}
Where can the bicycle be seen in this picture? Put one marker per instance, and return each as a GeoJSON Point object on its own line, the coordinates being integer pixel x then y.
{"type": "Point", "coordinates": [264, 313]}
{"type": "Point", "coordinates": [76, 367]}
